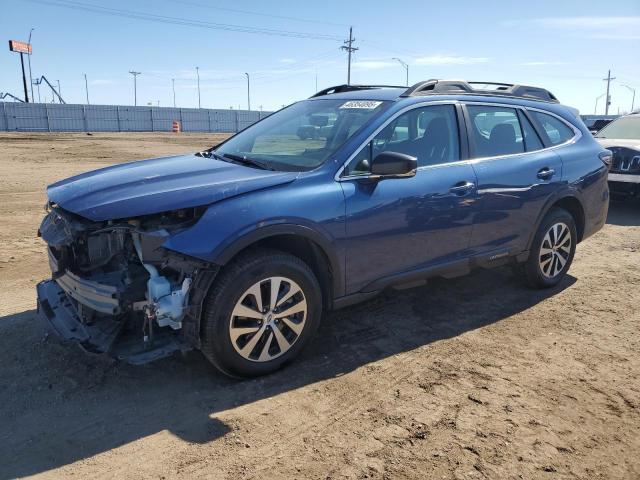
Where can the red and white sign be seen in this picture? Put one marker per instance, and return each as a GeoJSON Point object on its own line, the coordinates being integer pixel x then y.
{"type": "Point", "coordinates": [20, 47]}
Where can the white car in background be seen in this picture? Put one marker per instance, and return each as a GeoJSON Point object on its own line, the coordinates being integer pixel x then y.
{"type": "Point", "coordinates": [622, 137]}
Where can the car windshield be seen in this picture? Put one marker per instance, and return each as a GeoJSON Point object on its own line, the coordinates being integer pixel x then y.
{"type": "Point", "coordinates": [625, 128]}
{"type": "Point", "coordinates": [300, 137]}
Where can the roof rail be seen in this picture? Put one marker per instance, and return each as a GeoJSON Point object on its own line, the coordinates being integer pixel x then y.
{"type": "Point", "coordinates": [350, 88]}
{"type": "Point", "coordinates": [433, 86]}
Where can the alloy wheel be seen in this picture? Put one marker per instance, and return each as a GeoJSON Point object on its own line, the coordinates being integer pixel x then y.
{"type": "Point", "coordinates": [268, 319]}
{"type": "Point", "coordinates": [555, 250]}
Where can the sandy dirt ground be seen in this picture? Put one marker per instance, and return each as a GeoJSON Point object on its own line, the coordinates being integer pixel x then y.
{"type": "Point", "coordinates": [477, 377]}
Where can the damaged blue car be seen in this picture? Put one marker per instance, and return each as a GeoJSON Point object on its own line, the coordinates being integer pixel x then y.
{"type": "Point", "coordinates": [237, 250]}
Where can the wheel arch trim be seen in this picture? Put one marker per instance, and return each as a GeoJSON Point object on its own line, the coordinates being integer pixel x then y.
{"type": "Point", "coordinates": [551, 202]}
{"type": "Point", "coordinates": [226, 252]}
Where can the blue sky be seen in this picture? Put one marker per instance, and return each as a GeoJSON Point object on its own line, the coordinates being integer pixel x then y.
{"type": "Point", "coordinates": [565, 46]}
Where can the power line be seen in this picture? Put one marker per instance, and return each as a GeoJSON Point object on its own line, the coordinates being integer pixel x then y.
{"type": "Point", "coordinates": [74, 5]}
{"type": "Point", "coordinates": [260, 14]}
{"type": "Point", "coordinates": [302, 66]}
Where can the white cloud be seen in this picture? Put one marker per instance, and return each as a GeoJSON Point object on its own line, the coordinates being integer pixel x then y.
{"type": "Point", "coordinates": [617, 36]}
{"type": "Point", "coordinates": [590, 23]}
{"type": "Point", "coordinates": [449, 60]}
{"type": "Point", "coordinates": [542, 64]}
{"type": "Point", "coordinates": [287, 60]}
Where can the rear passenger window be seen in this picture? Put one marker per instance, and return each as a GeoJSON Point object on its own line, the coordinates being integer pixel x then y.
{"type": "Point", "coordinates": [531, 140]}
{"type": "Point", "coordinates": [495, 131]}
{"type": "Point", "coordinates": [557, 131]}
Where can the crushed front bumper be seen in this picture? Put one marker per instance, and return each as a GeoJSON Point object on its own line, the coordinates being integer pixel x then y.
{"type": "Point", "coordinates": [59, 312]}
{"type": "Point", "coordinates": [105, 334]}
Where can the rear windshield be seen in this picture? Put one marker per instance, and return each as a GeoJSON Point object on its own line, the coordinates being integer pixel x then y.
{"type": "Point", "coordinates": [303, 136]}
{"type": "Point", "coordinates": [625, 128]}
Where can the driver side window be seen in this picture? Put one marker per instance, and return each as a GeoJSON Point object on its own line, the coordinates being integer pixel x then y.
{"type": "Point", "coordinates": [428, 133]}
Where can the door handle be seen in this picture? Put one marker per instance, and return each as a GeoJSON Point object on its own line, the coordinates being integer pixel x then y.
{"type": "Point", "coordinates": [462, 188]}
{"type": "Point", "coordinates": [546, 173]}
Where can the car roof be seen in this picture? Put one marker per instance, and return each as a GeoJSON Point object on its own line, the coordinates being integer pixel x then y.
{"type": "Point", "coordinates": [437, 88]}
{"type": "Point", "coordinates": [451, 90]}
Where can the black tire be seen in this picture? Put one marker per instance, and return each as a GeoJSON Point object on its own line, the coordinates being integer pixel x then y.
{"type": "Point", "coordinates": [231, 286]}
{"type": "Point", "coordinates": [546, 275]}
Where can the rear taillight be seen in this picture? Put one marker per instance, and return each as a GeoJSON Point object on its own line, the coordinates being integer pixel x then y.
{"type": "Point", "coordinates": [606, 157]}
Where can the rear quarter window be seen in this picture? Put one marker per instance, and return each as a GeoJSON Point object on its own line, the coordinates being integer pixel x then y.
{"type": "Point", "coordinates": [556, 131]}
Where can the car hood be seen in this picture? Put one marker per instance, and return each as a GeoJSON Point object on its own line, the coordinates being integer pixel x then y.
{"type": "Point", "coordinates": [612, 142]}
{"type": "Point", "coordinates": [158, 185]}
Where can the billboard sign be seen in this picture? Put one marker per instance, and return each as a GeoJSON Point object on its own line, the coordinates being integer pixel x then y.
{"type": "Point", "coordinates": [20, 47]}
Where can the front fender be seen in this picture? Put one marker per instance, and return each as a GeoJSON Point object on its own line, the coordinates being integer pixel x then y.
{"type": "Point", "coordinates": [310, 209]}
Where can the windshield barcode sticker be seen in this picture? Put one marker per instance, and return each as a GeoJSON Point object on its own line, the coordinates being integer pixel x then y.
{"type": "Point", "coordinates": [366, 104]}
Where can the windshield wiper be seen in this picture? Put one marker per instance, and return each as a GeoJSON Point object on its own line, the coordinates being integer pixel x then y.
{"type": "Point", "coordinates": [244, 160]}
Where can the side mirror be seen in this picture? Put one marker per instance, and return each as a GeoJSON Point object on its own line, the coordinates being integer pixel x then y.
{"type": "Point", "coordinates": [393, 165]}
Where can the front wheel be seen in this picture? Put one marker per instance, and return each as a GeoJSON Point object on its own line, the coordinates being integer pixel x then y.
{"type": "Point", "coordinates": [262, 310]}
{"type": "Point", "coordinates": [552, 250]}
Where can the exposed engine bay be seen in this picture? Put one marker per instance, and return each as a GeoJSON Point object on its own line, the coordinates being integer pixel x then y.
{"type": "Point", "coordinates": [115, 289]}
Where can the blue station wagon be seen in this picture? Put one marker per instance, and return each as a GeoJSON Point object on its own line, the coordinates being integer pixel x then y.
{"type": "Point", "coordinates": [238, 250]}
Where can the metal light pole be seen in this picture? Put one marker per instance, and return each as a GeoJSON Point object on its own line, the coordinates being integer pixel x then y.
{"type": "Point", "coordinates": [608, 80]}
{"type": "Point", "coordinates": [29, 60]}
{"type": "Point", "coordinates": [248, 93]}
{"type": "Point", "coordinates": [595, 110]}
{"type": "Point", "coordinates": [59, 94]}
{"type": "Point", "coordinates": [135, 87]}
{"type": "Point", "coordinates": [198, 75]}
{"type": "Point", "coordinates": [633, 98]}
{"type": "Point", "coordinates": [406, 67]}
{"type": "Point", "coordinates": [86, 87]}
{"type": "Point", "coordinates": [173, 86]}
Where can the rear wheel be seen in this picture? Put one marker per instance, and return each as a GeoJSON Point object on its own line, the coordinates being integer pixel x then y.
{"type": "Point", "coordinates": [262, 310]}
{"type": "Point", "coordinates": [552, 250]}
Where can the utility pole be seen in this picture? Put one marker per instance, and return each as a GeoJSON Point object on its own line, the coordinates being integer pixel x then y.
{"type": "Point", "coordinates": [633, 98]}
{"type": "Point", "coordinates": [173, 86]}
{"type": "Point", "coordinates": [348, 46]}
{"type": "Point", "coordinates": [29, 59]}
{"type": "Point", "coordinates": [248, 93]}
{"type": "Point", "coordinates": [59, 91]}
{"type": "Point", "coordinates": [86, 87]}
{"type": "Point", "coordinates": [135, 87]}
{"type": "Point", "coordinates": [198, 75]}
{"type": "Point", "coordinates": [406, 67]}
{"type": "Point", "coordinates": [608, 99]}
